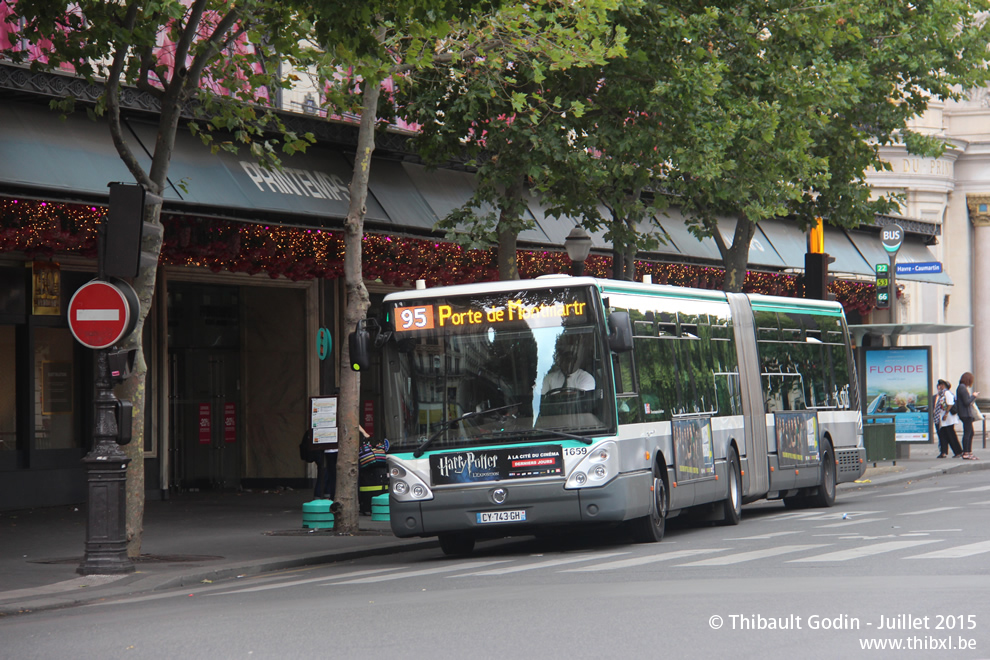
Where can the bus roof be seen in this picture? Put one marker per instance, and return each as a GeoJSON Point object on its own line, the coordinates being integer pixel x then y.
{"type": "Point", "coordinates": [759, 302]}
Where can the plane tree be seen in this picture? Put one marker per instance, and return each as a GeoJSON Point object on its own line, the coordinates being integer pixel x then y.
{"type": "Point", "coordinates": [211, 65]}
{"type": "Point", "coordinates": [812, 90]}
{"type": "Point", "coordinates": [504, 109]}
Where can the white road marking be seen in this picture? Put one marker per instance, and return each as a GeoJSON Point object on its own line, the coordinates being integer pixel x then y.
{"type": "Point", "coordinates": [923, 511]}
{"type": "Point", "coordinates": [447, 568]}
{"type": "Point", "coordinates": [864, 551]}
{"type": "Point", "coordinates": [846, 523]}
{"type": "Point", "coordinates": [955, 553]}
{"type": "Point", "coordinates": [916, 491]}
{"type": "Point", "coordinates": [760, 537]}
{"type": "Point", "coordinates": [639, 561]}
{"type": "Point", "coordinates": [293, 583]}
{"type": "Point", "coordinates": [741, 557]}
{"type": "Point", "coordinates": [574, 559]}
{"type": "Point", "coordinates": [972, 490]}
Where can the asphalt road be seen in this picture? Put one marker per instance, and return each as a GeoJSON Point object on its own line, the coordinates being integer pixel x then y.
{"type": "Point", "coordinates": [900, 565]}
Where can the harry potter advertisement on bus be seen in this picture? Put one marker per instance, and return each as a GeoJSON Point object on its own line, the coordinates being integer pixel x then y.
{"type": "Point", "coordinates": [496, 464]}
{"type": "Point", "coordinates": [897, 382]}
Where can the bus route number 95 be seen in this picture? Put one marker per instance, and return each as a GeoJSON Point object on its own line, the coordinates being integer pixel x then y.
{"type": "Point", "coordinates": [413, 318]}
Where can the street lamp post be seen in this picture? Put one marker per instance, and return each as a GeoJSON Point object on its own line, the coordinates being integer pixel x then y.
{"type": "Point", "coordinates": [578, 244]}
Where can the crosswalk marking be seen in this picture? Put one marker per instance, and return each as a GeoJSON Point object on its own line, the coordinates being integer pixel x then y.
{"type": "Point", "coordinates": [864, 551]}
{"type": "Point", "coordinates": [955, 553]}
{"type": "Point", "coordinates": [760, 537]}
{"type": "Point", "coordinates": [446, 568]}
{"type": "Point", "coordinates": [935, 510]}
{"type": "Point", "coordinates": [846, 523]}
{"type": "Point", "coordinates": [639, 561]}
{"type": "Point", "coordinates": [293, 583]}
{"type": "Point", "coordinates": [741, 557]}
{"type": "Point", "coordinates": [543, 564]}
{"type": "Point", "coordinates": [916, 491]}
{"type": "Point", "coordinates": [972, 490]}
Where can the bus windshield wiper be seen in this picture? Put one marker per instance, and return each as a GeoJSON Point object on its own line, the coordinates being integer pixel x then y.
{"type": "Point", "coordinates": [525, 433]}
{"type": "Point", "coordinates": [563, 434]}
{"type": "Point", "coordinates": [446, 425]}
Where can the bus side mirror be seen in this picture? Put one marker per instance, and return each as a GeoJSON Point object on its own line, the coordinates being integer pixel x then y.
{"type": "Point", "coordinates": [359, 343]}
{"type": "Point", "coordinates": [620, 336]}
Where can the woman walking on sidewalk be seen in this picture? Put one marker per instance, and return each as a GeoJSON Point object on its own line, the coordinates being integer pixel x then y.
{"type": "Point", "coordinates": [964, 404]}
{"type": "Point", "coordinates": [945, 421]}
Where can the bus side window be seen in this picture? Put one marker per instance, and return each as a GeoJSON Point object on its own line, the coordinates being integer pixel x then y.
{"type": "Point", "coordinates": [627, 399]}
{"type": "Point", "coordinates": [655, 378]}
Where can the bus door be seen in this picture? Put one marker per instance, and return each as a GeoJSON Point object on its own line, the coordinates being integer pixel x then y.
{"type": "Point", "coordinates": [756, 480]}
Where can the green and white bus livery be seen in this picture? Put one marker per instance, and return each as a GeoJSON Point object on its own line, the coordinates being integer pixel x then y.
{"type": "Point", "coordinates": [516, 407]}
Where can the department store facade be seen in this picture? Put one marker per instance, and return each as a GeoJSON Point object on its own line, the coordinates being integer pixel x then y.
{"type": "Point", "coordinates": [250, 286]}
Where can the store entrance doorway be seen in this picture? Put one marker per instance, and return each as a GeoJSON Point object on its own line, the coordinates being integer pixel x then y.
{"type": "Point", "coordinates": [204, 362]}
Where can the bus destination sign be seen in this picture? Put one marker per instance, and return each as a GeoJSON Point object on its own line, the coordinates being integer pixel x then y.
{"type": "Point", "coordinates": [431, 317]}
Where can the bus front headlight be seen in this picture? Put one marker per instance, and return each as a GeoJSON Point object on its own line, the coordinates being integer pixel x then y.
{"type": "Point", "coordinates": [597, 468]}
{"type": "Point", "coordinates": [406, 485]}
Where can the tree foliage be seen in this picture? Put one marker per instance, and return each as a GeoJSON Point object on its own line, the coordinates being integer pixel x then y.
{"type": "Point", "coordinates": [209, 63]}
{"type": "Point", "coordinates": [499, 107]}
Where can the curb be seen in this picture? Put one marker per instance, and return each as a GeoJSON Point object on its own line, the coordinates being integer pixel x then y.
{"type": "Point", "coordinates": [915, 475]}
{"type": "Point", "coordinates": [140, 584]}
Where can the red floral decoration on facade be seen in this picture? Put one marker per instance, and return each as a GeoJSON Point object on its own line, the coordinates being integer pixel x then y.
{"type": "Point", "coordinates": [44, 229]}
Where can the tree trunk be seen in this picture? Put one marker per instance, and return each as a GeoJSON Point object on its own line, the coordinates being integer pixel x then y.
{"type": "Point", "coordinates": [736, 256]}
{"type": "Point", "coordinates": [134, 389]}
{"type": "Point", "coordinates": [348, 406]}
{"type": "Point", "coordinates": [508, 231]}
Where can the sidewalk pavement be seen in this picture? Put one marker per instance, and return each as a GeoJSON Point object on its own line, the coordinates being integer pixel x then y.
{"type": "Point", "coordinates": [195, 538]}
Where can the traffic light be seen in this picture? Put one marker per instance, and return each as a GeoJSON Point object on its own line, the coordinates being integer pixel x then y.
{"type": "Point", "coordinates": [816, 238]}
{"type": "Point", "coordinates": [883, 286]}
{"type": "Point", "coordinates": [816, 276]}
{"type": "Point", "coordinates": [124, 227]}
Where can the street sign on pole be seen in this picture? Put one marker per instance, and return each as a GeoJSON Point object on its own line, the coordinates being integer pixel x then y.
{"type": "Point", "coordinates": [102, 313]}
{"type": "Point", "coordinates": [892, 236]}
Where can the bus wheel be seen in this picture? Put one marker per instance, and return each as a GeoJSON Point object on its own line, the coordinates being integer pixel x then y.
{"type": "Point", "coordinates": [825, 497]}
{"type": "Point", "coordinates": [649, 529]}
{"type": "Point", "coordinates": [454, 545]}
{"type": "Point", "coordinates": [732, 504]}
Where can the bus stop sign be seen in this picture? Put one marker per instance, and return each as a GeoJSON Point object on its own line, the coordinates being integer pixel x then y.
{"type": "Point", "coordinates": [101, 313]}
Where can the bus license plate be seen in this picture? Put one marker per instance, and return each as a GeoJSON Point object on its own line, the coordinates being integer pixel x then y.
{"type": "Point", "coordinates": [501, 516]}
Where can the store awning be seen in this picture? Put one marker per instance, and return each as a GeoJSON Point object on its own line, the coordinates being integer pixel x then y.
{"type": "Point", "coordinates": [912, 250]}
{"type": "Point", "coordinates": [675, 224]}
{"type": "Point", "coordinates": [74, 156]}
{"type": "Point", "coordinates": [399, 196]}
{"type": "Point", "coordinates": [312, 183]}
{"type": "Point", "coordinates": [791, 244]}
{"type": "Point", "coordinates": [448, 190]}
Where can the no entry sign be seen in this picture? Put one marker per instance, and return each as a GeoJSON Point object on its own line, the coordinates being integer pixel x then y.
{"type": "Point", "coordinates": [102, 313]}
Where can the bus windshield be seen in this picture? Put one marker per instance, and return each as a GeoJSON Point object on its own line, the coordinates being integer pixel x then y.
{"type": "Point", "coordinates": [494, 369]}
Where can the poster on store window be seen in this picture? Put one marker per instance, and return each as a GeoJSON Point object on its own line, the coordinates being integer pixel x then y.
{"type": "Point", "coordinates": [897, 386]}
{"type": "Point", "coordinates": [323, 418]}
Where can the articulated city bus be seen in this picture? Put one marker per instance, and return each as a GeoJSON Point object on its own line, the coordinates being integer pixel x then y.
{"type": "Point", "coordinates": [518, 407]}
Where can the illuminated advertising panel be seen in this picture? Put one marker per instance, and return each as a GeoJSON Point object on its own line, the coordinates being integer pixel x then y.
{"type": "Point", "coordinates": [898, 385]}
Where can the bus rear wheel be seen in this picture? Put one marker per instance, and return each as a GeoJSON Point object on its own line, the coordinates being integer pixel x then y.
{"type": "Point", "coordinates": [650, 529]}
{"type": "Point", "coordinates": [732, 505]}
{"type": "Point", "coordinates": [454, 545]}
{"type": "Point", "coordinates": [825, 497]}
